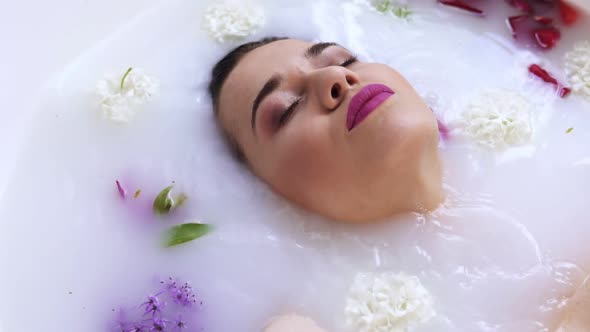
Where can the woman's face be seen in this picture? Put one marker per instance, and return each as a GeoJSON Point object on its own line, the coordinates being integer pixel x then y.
{"type": "Point", "coordinates": [347, 139]}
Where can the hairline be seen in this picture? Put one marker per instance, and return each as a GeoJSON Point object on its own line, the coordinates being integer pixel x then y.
{"type": "Point", "coordinates": [228, 136]}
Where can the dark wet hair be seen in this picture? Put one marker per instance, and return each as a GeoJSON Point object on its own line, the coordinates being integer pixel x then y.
{"type": "Point", "coordinates": [219, 75]}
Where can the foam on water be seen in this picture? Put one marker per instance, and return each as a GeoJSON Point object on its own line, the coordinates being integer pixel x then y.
{"type": "Point", "coordinates": [505, 252]}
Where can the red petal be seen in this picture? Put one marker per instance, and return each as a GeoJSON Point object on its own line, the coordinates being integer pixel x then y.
{"type": "Point", "coordinates": [461, 5]}
{"type": "Point", "coordinates": [514, 23]}
{"type": "Point", "coordinates": [564, 91]}
{"type": "Point", "coordinates": [547, 37]}
{"type": "Point", "coordinates": [538, 71]}
{"type": "Point", "coordinates": [542, 73]}
{"type": "Point", "coordinates": [569, 15]}
{"type": "Point", "coordinates": [543, 19]}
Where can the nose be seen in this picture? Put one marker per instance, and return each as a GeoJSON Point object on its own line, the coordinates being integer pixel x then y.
{"type": "Point", "coordinates": [331, 85]}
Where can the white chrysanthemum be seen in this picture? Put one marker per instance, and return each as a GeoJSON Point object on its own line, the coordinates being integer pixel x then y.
{"type": "Point", "coordinates": [121, 104]}
{"type": "Point", "coordinates": [387, 302]}
{"type": "Point", "coordinates": [229, 21]}
{"type": "Point", "coordinates": [577, 67]}
{"type": "Point", "coordinates": [498, 118]}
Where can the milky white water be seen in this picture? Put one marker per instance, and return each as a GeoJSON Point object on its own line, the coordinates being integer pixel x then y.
{"type": "Point", "coordinates": [505, 252]}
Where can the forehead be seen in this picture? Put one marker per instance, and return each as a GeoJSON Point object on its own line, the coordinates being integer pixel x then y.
{"type": "Point", "coordinates": [250, 74]}
{"type": "Point", "coordinates": [261, 63]}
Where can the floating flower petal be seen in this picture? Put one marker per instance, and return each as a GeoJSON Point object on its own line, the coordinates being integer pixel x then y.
{"type": "Point", "coordinates": [569, 15]}
{"type": "Point", "coordinates": [120, 188]}
{"type": "Point", "coordinates": [538, 71]}
{"type": "Point", "coordinates": [461, 5]}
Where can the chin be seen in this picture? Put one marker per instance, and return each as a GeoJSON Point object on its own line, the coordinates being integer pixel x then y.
{"type": "Point", "coordinates": [369, 215]}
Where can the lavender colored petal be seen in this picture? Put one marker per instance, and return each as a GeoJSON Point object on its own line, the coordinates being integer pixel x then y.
{"type": "Point", "coordinates": [158, 325]}
{"type": "Point", "coordinates": [120, 188]}
{"type": "Point", "coordinates": [179, 324]}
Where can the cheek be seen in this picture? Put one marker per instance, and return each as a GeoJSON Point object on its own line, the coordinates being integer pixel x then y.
{"type": "Point", "coordinates": [305, 155]}
{"type": "Point", "coordinates": [397, 133]}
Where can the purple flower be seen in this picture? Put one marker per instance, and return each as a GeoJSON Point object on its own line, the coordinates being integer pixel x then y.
{"type": "Point", "coordinates": [179, 324]}
{"type": "Point", "coordinates": [153, 305]}
{"type": "Point", "coordinates": [158, 325]}
{"type": "Point", "coordinates": [182, 295]}
{"type": "Point", "coordinates": [171, 309]}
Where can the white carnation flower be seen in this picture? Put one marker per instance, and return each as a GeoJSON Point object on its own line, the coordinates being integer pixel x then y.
{"type": "Point", "coordinates": [387, 302]}
{"type": "Point", "coordinates": [121, 97]}
{"type": "Point", "coordinates": [498, 118]}
{"type": "Point", "coordinates": [577, 67]}
{"type": "Point", "coordinates": [230, 21]}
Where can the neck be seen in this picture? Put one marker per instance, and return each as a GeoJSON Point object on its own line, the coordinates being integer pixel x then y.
{"type": "Point", "coordinates": [428, 193]}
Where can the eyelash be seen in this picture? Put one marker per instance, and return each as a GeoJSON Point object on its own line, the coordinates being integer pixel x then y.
{"type": "Point", "coordinates": [287, 113]}
{"type": "Point", "coordinates": [349, 61]}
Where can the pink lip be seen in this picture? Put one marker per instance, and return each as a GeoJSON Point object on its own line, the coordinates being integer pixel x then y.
{"type": "Point", "coordinates": [365, 102]}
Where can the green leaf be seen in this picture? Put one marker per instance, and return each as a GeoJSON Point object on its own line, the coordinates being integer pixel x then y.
{"type": "Point", "coordinates": [569, 130]}
{"type": "Point", "coordinates": [185, 232]}
{"type": "Point", "coordinates": [383, 6]}
{"type": "Point", "coordinates": [402, 11]}
{"type": "Point", "coordinates": [125, 76]}
{"type": "Point", "coordinates": [163, 202]}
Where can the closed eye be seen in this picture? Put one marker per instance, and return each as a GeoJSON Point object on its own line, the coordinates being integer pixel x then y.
{"type": "Point", "coordinates": [286, 115]}
{"type": "Point", "coordinates": [349, 61]}
{"type": "Point", "coordinates": [288, 112]}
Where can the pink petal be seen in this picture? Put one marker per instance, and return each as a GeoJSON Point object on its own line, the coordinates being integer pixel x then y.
{"type": "Point", "coordinates": [443, 130]}
{"type": "Point", "coordinates": [122, 192]}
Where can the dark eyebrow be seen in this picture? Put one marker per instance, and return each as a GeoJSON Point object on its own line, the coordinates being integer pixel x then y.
{"type": "Point", "coordinates": [273, 83]}
{"type": "Point", "coordinates": [317, 49]}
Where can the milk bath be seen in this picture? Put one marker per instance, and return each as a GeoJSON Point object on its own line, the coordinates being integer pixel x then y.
{"type": "Point", "coordinates": [504, 253]}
